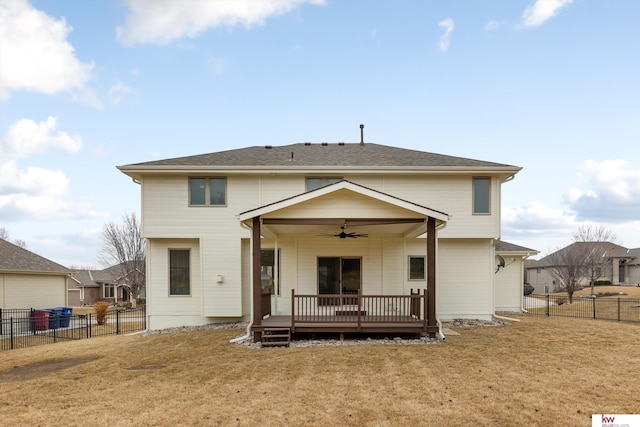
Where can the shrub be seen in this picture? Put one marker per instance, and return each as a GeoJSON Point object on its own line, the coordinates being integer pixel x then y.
{"type": "Point", "coordinates": [101, 312]}
{"type": "Point", "coordinates": [528, 289]}
{"type": "Point", "coordinates": [602, 283]}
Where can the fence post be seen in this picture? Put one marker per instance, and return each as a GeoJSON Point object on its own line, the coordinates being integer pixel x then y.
{"type": "Point", "coordinates": [548, 305]}
{"type": "Point", "coordinates": [117, 322]}
{"type": "Point", "coordinates": [11, 329]}
{"type": "Point", "coordinates": [89, 328]}
{"type": "Point", "coordinates": [594, 307]}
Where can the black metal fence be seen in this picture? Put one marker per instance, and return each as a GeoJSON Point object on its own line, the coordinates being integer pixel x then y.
{"type": "Point", "coordinates": [606, 308]}
{"type": "Point", "coordinates": [21, 328]}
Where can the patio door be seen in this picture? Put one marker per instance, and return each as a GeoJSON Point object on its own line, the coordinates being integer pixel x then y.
{"type": "Point", "coordinates": [339, 276]}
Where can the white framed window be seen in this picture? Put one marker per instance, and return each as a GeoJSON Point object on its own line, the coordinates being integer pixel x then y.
{"type": "Point", "coordinates": [109, 291]}
{"type": "Point", "coordinates": [318, 182]}
{"type": "Point", "coordinates": [416, 268]}
{"type": "Point", "coordinates": [207, 191]}
{"type": "Point", "coordinates": [179, 272]}
{"type": "Point", "coordinates": [482, 195]}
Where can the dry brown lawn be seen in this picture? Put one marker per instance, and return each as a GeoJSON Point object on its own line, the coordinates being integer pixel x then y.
{"type": "Point", "coordinates": [541, 371]}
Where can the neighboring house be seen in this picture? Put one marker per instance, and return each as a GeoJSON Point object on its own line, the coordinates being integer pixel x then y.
{"type": "Point", "coordinates": [225, 228]}
{"type": "Point", "coordinates": [510, 275]}
{"type": "Point", "coordinates": [621, 266]}
{"type": "Point", "coordinates": [92, 286]}
{"type": "Point", "coordinates": [28, 280]}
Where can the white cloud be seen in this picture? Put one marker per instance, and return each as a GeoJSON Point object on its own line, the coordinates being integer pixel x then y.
{"type": "Point", "coordinates": [540, 11]}
{"type": "Point", "coordinates": [216, 65]}
{"type": "Point", "coordinates": [33, 192]}
{"type": "Point", "coordinates": [118, 92]}
{"type": "Point", "coordinates": [36, 55]}
{"type": "Point", "coordinates": [612, 193]}
{"type": "Point", "coordinates": [448, 25]}
{"type": "Point", "coordinates": [26, 137]}
{"type": "Point", "coordinates": [21, 206]}
{"type": "Point", "coordinates": [494, 25]}
{"type": "Point", "coordinates": [162, 21]}
{"type": "Point", "coordinates": [32, 181]}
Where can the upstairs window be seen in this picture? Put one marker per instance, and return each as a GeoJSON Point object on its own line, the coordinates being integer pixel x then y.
{"type": "Point", "coordinates": [482, 195]}
{"type": "Point", "coordinates": [207, 191]}
{"type": "Point", "coordinates": [314, 183]}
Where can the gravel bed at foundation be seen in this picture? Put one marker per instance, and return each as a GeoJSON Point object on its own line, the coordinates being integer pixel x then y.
{"type": "Point", "coordinates": [335, 342]}
{"type": "Point", "coordinates": [209, 327]}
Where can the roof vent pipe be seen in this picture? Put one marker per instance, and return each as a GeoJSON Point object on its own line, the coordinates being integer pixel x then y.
{"type": "Point", "coordinates": [361, 134]}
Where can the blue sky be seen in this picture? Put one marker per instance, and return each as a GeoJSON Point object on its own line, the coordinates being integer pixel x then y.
{"type": "Point", "coordinates": [549, 85]}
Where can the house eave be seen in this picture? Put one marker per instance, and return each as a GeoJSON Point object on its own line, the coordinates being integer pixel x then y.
{"type": "Point", "coordinates": [38, 272]}
{"type": "Point", "coordinates": [137, 172]}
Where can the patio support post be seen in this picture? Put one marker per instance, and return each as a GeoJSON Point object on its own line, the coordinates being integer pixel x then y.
{"type": "Point", "coordinates": [257, 282]}
{"type": "Point", "coordinates": [432, 325]}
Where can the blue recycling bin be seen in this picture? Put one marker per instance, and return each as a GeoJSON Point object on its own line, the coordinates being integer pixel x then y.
{"type": "Point", "coordinates": [65, 315]}
{"type": "Point", "coordinates": [54, 318]}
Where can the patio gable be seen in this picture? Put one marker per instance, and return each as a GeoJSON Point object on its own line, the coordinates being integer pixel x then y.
{"type": "Point", "coordinates": [344, 204]}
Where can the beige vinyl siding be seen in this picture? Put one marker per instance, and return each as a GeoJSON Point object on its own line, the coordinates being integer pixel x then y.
{"type": "Point", "coordinates": [165, 309]}
{"type": "Point", "coordinates": [33, 291]}
{"type": "Point", "coordinates": [452, 195]}
{"type": "Point", "coordinates": [219, 245]}
{"type": "Point", "coordinates": [465, 278]}
{"type": "Point", "coordinates": [392, 265]}
{"type": "Point", "coordinates": [343, 204]}
{"type": "Point", "coordinates": [509, 285]}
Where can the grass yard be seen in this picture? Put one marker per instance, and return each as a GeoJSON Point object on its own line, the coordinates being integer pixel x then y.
{"type": "Point", "coordinates": [541, 371]}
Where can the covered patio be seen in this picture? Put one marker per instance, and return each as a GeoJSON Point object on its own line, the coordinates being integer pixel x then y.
{"type": "Point", "coordinates": [334, 211]}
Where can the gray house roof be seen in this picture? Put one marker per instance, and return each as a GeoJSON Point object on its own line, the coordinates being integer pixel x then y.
{"type": "Point", "coordinates": [95, 278]}
{"type": "Point", "coordinates": [13, 258]}
{"type": "Point", "coordinates": [502, 246]}
{"type": "Point", "coordinates": [309, 155]}
{"type": "Point", "coordinates": [611, 250]}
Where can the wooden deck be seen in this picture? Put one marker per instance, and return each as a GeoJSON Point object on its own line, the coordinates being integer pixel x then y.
{"type": "Point", "coordinates": [350, 314]}
{"type": "Point", "coordinates": [345, 324]}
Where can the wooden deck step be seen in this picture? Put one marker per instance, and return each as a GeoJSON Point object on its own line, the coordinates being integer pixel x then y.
{"type": "Point", "coordinates": [276, 336]}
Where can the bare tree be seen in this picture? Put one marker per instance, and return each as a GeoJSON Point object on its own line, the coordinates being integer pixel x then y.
{"type": "Point", "coordinates": [597, 260]}
{"type": "Point", "coordinates": [593, 233]}
{"type": "Point", "coordinates": [124, 247]}
{"type": "Point", "coordinates": [568, 268]}
{"type": "Point", "coordinates": [4, 235]}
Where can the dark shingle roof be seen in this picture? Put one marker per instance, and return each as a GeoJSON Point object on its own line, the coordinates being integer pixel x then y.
{"type": "Point", "coordinates": [309, 155]}
{"type": "Point", "coordinates": [510, 247]}
{"type": "Point", "coordinates": [610, 250]}
{"type": "Point", "coordinates": [15, 258]}
{"type": "Point", "coordinates": [90, 278]}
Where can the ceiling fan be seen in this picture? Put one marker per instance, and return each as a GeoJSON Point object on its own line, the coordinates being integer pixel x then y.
{"type": "Point", "coordinates": [343, 234]}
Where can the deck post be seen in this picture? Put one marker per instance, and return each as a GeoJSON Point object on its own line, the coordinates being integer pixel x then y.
{"type": "Point", "coordinates": [293, 310]}
{"type": "Point", "coordinates": [256, 277]}
{"type": "Point", "coordinates": [432, 325]}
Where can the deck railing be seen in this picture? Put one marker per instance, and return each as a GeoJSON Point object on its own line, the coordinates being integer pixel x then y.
{"type": "Point", "coordinates": [359, 309]}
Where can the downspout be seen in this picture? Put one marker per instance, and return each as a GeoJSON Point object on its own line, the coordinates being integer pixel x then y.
{"type": "Point", "coordinates": [247, 333]}
{"type": "Point", "coordinates": [440, 334]}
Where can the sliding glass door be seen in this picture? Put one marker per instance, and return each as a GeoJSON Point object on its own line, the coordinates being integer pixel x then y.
{"type": "Point", "coordinates": [339, 276]}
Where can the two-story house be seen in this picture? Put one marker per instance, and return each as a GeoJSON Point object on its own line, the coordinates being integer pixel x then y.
{"type": "Point", "coordinates": [336, 234]}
